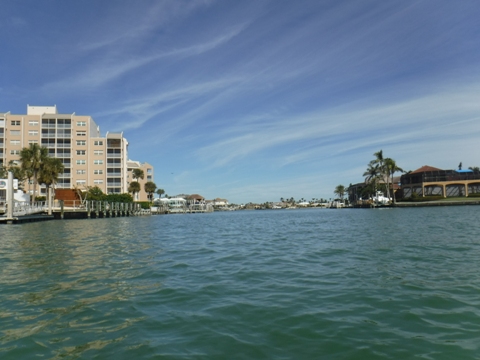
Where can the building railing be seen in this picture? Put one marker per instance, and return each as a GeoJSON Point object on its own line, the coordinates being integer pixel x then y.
{"type": "Point", "coordinates": [98, 206]}
{"type": "Point", "coordinates": [56, 126]}
{"type": "Point", "coordinates": [22, 208]}
{"type": "Point", "coordinates": [419, 178]}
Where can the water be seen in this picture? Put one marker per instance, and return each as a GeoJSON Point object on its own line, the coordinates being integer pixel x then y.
{"type": "Point", "coordinates": [286, 284]}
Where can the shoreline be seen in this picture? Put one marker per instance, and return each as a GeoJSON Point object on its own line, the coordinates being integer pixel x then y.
{"type": "Point", "coordinates": [438, 203]}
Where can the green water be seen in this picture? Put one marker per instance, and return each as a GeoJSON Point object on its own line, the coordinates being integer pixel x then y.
{"type": "Point", "coordinates": [286, 284]}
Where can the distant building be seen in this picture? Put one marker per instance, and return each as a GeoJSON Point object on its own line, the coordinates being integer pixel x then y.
{"type": "Point", "coordinates": [89, 158]}
{"type": "Point", "coordinates": [147, 176]}
{"type": "Point", "coordinates": [218, 202]}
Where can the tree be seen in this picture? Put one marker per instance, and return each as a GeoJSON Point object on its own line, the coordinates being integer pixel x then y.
{"type": "Point", "coordinates": [160, 192]}
{"type": "Point", "coordinates": [3, 172]}
{"type": "Point", "coordinates": [392, 168]}
{"type": "Point", "coordinates": [32, 159]}
{"type": "Point", "coordinates": [150, 188]}
{"type": "Point", "coordinates": [383, 172]}
{"type": "Point", "coordinates": [134, 188]}
{"type": "Point", "coordinates": [95, 193]}
{"type": "Point", "coordinates": [138, 174]}
{"type": "Point", "coordinates": [17, 171]}
{"type": "Point", "coordinates": [49, 171]}
{"type": "Point", "coordinates": [48, 174]}
{"type": "Point", "coordinates": [340, 191]}
{"type": "Point", "coordinates": [475, 169]}
{"type": "Point", "coordinates": [372, 174]}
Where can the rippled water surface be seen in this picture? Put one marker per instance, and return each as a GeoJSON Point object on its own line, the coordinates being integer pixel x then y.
{"type": "Point", "coordinates": [286, 284]}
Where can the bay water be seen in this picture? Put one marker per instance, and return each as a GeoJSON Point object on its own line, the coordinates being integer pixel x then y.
{"type": "Point", "coordinates": [278, 284]}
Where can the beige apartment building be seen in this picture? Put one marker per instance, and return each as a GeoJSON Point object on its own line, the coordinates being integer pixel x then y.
{"type": "Point", "coordinates": [147, 176]}
{"type": "Point", "coordinates": [89, 158]}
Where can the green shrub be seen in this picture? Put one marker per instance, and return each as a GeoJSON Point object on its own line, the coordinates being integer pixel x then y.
{"type": "Point", "coordinates": [40, 198]}
{"type": "Point", "coordinates": [95, 193]}
{"type": "Point", "coordinates": [418, 198]}
{"type": "Point", "coordinates": [123, 198]}
{"type": "Point", "coordinates": [144, 204]}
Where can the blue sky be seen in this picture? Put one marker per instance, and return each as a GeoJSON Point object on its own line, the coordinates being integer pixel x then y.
{"type": "Point", "coordinates": [256, 100]}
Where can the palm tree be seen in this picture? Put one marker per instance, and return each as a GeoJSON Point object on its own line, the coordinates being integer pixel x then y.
{"type": "Point", "coordinates": [32, 159]}
{"type": "Point", "coordinates": [18, 172]}
{"type": "Point", "coordinates": [150, 188]}
{"type": "Point", "coordinates": [380, 160]}
{"type": "Point", "coordinates": [50, 170]}
{"type": "Point", "coordinates": [372, 174]}
{"type": "Point", "coordinates": [340, 191]}
{"type": "Point", "coordinates": [134, 188]}
{"type": "Point", "coordinates": [138, 174]}
{"type": "Point", "coordinates": [160, 192]}
{"type": "Point", "coordinates": [475, 169]}
{"type": "Point", "coordinates": [3, 172]}
{"type": "Point", "coordinates": [392, 168]}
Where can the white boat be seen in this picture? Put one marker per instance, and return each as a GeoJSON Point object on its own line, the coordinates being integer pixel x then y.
{"type": "Point", "coordinates": [379, 199]}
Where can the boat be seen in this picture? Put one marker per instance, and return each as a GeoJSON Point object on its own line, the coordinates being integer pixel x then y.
{"type": "Point", "coordinates": [379, 199]}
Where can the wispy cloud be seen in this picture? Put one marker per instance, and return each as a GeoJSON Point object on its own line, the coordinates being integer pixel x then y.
{"type": "Point", "coordinates": [454, 113]}
{"type": "Point", "coordinates": [108, 70]}
{"type": "Point", "coordinates": [123, 27]}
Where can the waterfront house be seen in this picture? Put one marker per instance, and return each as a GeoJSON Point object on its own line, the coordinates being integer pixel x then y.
{"type": "Point", "coordinates": [429, 180]}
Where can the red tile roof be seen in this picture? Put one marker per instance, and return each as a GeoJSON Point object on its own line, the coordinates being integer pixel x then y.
{"type": "Point", "coordinates": [425, 168]}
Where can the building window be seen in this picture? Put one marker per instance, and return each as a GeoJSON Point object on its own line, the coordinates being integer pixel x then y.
{"type": "Point", "coordinates": [81, 172]}
{"type": "Point", "coordinates": [14, 142]}
{"type": "Point", "coordinates": [81, 133]}
{"type": "Point", "coordinates": [33, 123]}
{"type": "Point", "coordinates": [33, 132]}
{"type": "Point", "coordinates": [97, 162]}
{"type": "Point", "coordinates": [14, 152]}
{"type": "Point", "coordinates": [15, 132]}
{"type": "Point", "coordinates": [98, 152]}
{"type": "Point", "coordinates": [97, 172]}
{"type": "Point", "coordinates": [149, 177]}
{"type": "Point", "coordinates": [81, 152]}
{"type": "Point", "coordinates": [81, 162]}
{"type": "Point", "coordinates": [81, 142]}
{"type": "Point", "coordinates": [81, 182]}
{"type": "Point", "coordinates": [98, 143]}
{"type": "Point", "coordinates": [149, 171]}
{"type": "Point", "coordinates": [81, 123]}
{"type": "Point", "coordinates": [33, 141]}
{"type": "Point", "coordinates": [98, 181]}
{"type": "Point", "coordinates": [15, 122]}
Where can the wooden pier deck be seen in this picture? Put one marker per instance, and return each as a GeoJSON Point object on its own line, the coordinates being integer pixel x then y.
{"type": "Point", "coordinates": [26, 219]}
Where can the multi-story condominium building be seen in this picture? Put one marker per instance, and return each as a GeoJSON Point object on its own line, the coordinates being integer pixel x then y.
{"type": "Point", "coordinates": [89, 159]}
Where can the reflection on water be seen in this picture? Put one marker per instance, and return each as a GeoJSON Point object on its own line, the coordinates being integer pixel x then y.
{"type": "Point", "coordinates": [263, 284]}
{"type": "Point", "coordinates": [69, 276]}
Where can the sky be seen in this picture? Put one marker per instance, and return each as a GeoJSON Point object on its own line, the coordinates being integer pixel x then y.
{"type": "Point", "coordinates": [255, 100]}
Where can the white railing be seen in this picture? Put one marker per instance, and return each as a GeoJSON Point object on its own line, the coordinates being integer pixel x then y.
{"type": "Point", "coordinates": [22, 208]}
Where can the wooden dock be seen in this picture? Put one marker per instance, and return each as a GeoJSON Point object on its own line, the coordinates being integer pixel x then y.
{"type": "Point", "coordinates": [26, 219]}
{"type": "Point", "coordinates": [75, 210]}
